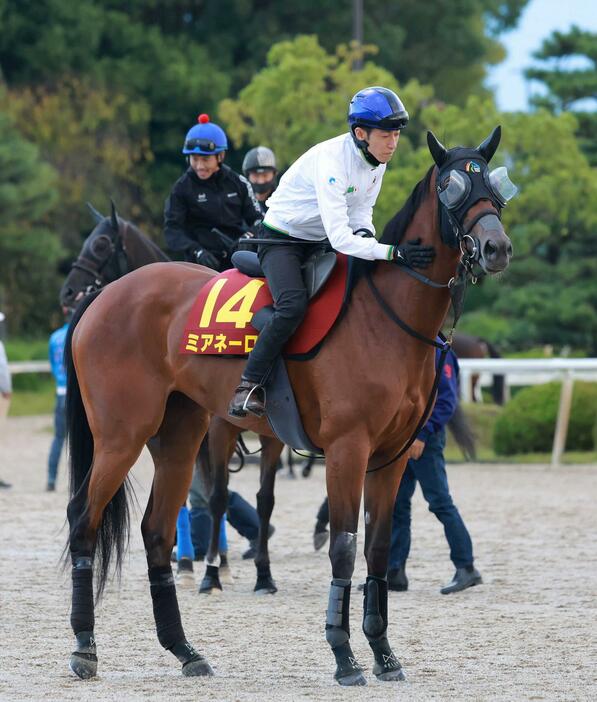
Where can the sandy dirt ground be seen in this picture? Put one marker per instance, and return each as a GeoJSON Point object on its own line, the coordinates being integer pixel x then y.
{"type": "Point", "coordinates": [528, 633]}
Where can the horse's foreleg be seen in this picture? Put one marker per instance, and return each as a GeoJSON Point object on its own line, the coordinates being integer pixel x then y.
{"type": "Point", "coordinates": [380, 494]}
{"type": "Point", "coordinates": [222, 440]}
{"type": "Point", "coordinates": [271, 449]}
{"type": "Point", "coordinates": [173, 451]}
{"type": "Point", "coordinates": [345, 467]}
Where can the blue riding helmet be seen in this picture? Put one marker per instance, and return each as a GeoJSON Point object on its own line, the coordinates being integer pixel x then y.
{"type": "Point", "coordinates": [378, 108]}
{"type": "Point", "coordinates": [205, 138]}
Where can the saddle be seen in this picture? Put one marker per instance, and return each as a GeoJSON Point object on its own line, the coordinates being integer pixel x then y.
{"type": "Point", "coordinates": [235, 305]}
{"type": "Point", "coordinates": [316, 269]}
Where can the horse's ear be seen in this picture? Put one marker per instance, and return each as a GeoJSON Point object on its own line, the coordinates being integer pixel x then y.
{"type": "Point", "coordinates": [113, 216]}
{"type": "Point", "coordinates": [438, 150]}
{"type": "Point", "coordinates": [94, 213]}
{"type": "Point", "coordinates": [488, 147]}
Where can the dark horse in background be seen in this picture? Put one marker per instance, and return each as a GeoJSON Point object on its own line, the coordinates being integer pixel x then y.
{"type": "Point", "coordinates": [361, 399]}
{"type": "Point", "coordinates": [467, 346]}
{"type": "Point", "coordinates": [114, 248]}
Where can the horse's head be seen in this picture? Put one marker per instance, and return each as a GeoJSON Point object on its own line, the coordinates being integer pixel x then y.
{"type": "Point", "coordinates": [471, 199]}
{"type": "Point", "coordinates": [102, 259]}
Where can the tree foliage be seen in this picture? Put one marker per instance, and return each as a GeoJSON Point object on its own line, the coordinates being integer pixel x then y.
{"type": "Point", "coordinates": [569, 75]}
{"type": "Point", "coordinates": [29, 251]}
{"type": "Point", "coordinates": [98, 141]}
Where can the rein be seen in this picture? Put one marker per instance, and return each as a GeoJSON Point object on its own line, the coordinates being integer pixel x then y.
{"type": "Point", "coordinates": [457, 287]}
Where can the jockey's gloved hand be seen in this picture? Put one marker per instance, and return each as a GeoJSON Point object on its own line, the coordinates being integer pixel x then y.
{"type": "Point", "coordinates": [206, 258]}
{"type": "Point", "coordinates": [413, 254]}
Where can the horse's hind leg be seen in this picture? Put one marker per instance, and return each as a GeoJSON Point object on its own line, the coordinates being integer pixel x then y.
{"type": "Point", "coordinates": [271, 449]}
{"type": "Point", "coordinates": [222, 440]}
{"type": "Point", "coordinates": [380, 495]}
{"type": "Point", "coordinates": [173, 450]}
{"type": "Point", "coordinates": [103, 485]}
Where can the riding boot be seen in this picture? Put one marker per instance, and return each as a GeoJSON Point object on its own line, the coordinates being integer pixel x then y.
{"type": "Point", "coordinates": [249, 397]}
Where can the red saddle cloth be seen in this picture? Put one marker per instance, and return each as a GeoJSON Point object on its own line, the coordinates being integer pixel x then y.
{"type": "Point", "coordinates": [220, 321]}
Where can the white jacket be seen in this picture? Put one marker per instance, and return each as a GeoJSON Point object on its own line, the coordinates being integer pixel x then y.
{"type": "Point", "coordinates": [330, 191]}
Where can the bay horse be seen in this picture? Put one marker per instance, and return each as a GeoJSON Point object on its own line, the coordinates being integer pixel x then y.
{"type": "Point", "coordinates": [361, 398]}
{"type": "Point", "coordinates": [114, 248]}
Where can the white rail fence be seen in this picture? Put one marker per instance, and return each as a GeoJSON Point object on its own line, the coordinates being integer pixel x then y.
{"type": "Point", "coordinates": [516, 372]}
{"type": "Point", "coordinates": [532, 371]}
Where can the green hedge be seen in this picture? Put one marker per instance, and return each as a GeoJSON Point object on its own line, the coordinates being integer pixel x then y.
{"type": "Point", "coordinates": [528, 421]}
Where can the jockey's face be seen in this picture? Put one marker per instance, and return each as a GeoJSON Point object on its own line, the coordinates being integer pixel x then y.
{"type": "Point", "coordinates": [264, 177]}
{"type": "Point", "coordinates": [204, 166]}
{"type": "Point", "coordinates": [382, 143]}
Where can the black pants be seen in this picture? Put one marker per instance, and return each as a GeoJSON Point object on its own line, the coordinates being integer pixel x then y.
{"type": "Point", "coordinates": [281, 264]}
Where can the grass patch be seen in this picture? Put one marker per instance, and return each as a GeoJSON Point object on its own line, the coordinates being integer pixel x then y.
{"type": "Point", "coordinates": [30, 402]}
{"type": "Point", "coordinates": [483, 417]}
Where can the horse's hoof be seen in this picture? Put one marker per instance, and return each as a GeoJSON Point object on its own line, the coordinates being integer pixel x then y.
{"type": "Point", "coordinates": [391, 675]}
{"type": "Point", "coordinates": [197, 668]}
{"type": "Point", "coordinates": [210, 585]}
{"type": "Point", "coordinates": [265, 586]}
{"type": "Point", "coordinates": [210, 588]}
{"type": "Point", "coordinates": [354, 679]}
{"type": "Point", "coordinates": [83, 665]}
{"type": "Point", "coordinates": [226, 576]}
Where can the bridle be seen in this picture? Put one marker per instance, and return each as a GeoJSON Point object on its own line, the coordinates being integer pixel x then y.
{"type": "Point", "coordinates": [458, 236]}
{"type": "Point", "coordinates": [102, 270]}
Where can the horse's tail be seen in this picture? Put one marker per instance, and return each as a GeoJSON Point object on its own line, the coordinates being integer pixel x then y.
{"type": "Point", "coordinates": [463, 434]}
{"type": "Point", "coordinates": [497, 388]}
{"type": "Point", "coordinates": [112, 534]}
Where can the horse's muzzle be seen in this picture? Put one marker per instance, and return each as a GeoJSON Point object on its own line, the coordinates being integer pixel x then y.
{"type": "Point", "coordinates": [495, 247]}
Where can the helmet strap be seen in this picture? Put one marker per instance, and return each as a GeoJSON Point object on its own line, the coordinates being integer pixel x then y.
{"type": "Point", "coordinates": [363, 145]}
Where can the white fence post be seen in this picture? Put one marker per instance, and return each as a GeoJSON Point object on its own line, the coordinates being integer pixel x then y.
{"type": "Point", "coordinates": [559, 438]}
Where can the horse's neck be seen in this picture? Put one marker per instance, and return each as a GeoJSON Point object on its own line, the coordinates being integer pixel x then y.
{"type": "Point", "coordinates": [422, 307]}
{"type": "Point", "coordinates": [140, 249]}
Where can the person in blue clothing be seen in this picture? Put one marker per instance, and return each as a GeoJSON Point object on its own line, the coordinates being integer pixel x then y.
{"type": "Point", "coordinates": [427, 466]}
{"type": "Point", "coordinates": [56, 353]}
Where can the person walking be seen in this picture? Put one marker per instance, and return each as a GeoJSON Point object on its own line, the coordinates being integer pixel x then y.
{"type": "Point", "coordinates": [427, 466]}
{"type": "Point", "coordinates": [56, 354]}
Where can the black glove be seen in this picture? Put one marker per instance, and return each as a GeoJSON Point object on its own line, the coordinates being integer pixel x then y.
{"type": "Point", "coordinates": [206, 258]}
{"type": "Point", "coordinates": [414, 255]}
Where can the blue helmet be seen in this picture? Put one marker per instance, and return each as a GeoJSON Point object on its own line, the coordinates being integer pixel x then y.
{"type": "Point", "coordinates": [378, 108]}
{"type": "Point", "coordinates": [205, 138]}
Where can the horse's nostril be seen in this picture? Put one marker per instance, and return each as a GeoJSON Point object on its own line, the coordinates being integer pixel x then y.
{"type": "Point", "coordinates": [510, 250]}
{"type": "Point", "coordinates": [490, 248]}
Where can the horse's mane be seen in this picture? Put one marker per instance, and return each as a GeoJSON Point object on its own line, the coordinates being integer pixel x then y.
{"type": "Point", "coordinates": [149, 243]}
{"type": "Point", "coordinates": [396, 227]}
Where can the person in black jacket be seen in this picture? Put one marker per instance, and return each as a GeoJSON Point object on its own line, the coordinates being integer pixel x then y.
{"type": "Point", "coordinates": [259, 167]}
{"type": "Point", "coordinates": [210, 206]}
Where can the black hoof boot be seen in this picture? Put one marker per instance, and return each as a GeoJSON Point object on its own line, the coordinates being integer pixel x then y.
{"type": "Point", "coordinates": [387, 667]}
{"type": "Point", "coordinates": [83, 661]}
{"type": "Point", "coordinates": [193, 663]}
{"type": "Point", "coordinates": [348, 672]}
{"type": "Point", "coordinates": [265, 584]}
{"type": "Point", "coordinates": [210, 585]}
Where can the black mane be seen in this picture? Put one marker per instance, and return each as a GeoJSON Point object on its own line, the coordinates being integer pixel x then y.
{"type": "Point", "coordinates": [395, 228]}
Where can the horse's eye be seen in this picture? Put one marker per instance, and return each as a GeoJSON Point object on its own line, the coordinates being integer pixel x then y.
{"type": "Point", "coordinates": [100, 246]}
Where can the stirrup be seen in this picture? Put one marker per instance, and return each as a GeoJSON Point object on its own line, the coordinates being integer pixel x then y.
{"type": "Point", "coordinates": [248, 397]}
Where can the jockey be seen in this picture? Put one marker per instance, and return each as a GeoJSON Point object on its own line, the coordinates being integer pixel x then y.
{"type": "Point", "coordinates": [208, 196]}
{"type": "Point", "coordinates": [259, 167]}
{"type": "Point", "coordinates": [327, 194]}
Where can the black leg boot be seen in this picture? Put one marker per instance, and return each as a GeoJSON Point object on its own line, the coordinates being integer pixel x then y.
{"type": "Point", "coordinates": [375, 624]}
